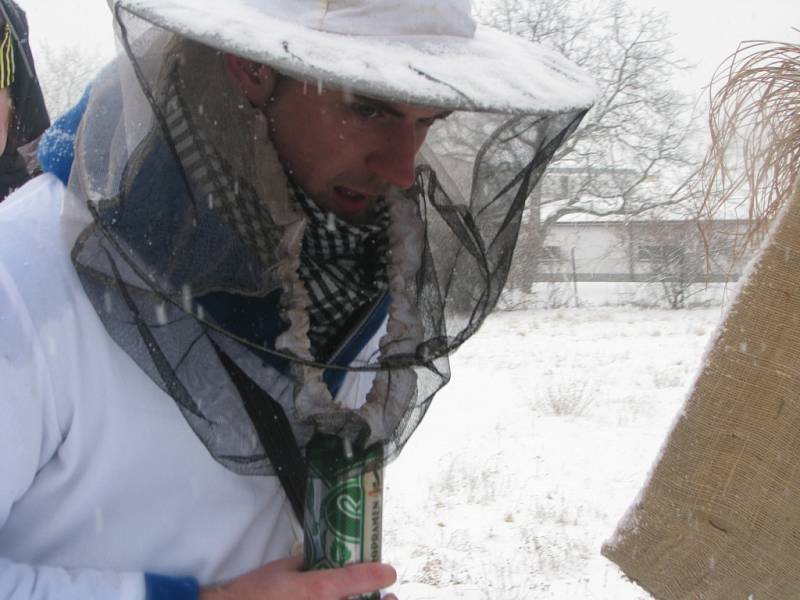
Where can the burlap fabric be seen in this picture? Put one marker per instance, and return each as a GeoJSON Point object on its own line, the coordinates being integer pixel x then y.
{"type": "Point", "coordinates": [720, 514]}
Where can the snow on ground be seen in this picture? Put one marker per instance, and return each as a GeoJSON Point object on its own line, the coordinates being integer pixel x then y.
{"type": "Point", "coordinates": [529, 457]}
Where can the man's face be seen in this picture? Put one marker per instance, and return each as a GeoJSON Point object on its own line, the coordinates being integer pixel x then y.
{"type": "Point", "coordinates": [345, 151]}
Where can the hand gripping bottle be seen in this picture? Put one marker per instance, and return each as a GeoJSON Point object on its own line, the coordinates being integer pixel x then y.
{"type": "Point", "coordinates": [343, 504]}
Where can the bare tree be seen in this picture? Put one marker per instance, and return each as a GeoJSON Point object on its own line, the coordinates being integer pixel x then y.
{"type": "Point", "coordinates": [633, 151]}
{"type": "Point", "coordinates": [682, 261]}
{"type": "Point", "coordinates": [64, 73]}
{"type": "Point", "coordinates": [671, 255]}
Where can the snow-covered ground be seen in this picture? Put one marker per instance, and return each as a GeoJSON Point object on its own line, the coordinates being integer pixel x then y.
{"type": "Point", "coordinates": [529, 457]}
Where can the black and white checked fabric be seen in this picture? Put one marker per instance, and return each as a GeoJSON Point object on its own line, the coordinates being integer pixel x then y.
{"type": "Point", "coordinates": [235, 199]}
{"type": "Point", "coordinates": [344, 269]}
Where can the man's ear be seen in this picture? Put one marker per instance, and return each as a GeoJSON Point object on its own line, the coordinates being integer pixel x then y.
{"type": "Point", "coordinates": [254, 79]}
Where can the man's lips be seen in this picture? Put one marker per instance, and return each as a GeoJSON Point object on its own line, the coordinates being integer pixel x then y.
{"type": "Point", "coordinates": [350, 200]}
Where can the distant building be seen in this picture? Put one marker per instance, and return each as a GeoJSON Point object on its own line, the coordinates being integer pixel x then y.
{"type": "Point", "coordinates": [671, 256]}
{"type": "Point", "coordinates": [640, 251]}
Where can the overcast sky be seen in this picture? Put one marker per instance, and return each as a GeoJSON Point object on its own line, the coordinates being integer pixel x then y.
{"type": "Point", "coordinates": [706, 31]}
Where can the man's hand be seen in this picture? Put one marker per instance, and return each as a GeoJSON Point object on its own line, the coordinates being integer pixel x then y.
{"type": "Point", "coordinates": [283, 580]}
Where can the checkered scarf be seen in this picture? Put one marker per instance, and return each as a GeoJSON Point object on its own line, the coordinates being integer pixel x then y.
{"type": "Point", "coordinates": [343, 266]}
{"type": "Point", "coordinates": [344, 269]}
{"type": "Point", "coordinates": [232, 197]}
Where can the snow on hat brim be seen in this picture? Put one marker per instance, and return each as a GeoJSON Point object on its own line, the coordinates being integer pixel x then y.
{"type": "Point", "coordinates": [487, 71]}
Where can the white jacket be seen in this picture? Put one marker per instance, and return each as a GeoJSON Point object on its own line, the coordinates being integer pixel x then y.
{"type": "Point", "coordinates": [101, 478]}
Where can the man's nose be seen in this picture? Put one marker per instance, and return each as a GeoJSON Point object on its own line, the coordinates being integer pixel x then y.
{"type": "Point", "coordinates": [394, 160]}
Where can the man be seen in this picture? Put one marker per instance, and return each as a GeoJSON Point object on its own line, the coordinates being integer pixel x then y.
{"type": "Point", "coordinates": [253, 251]}
{"type": "Point", "coordinates": [23, 115]}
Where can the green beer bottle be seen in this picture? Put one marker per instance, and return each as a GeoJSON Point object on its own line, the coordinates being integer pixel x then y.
{"type": "Point", "coordinates": [343, 504]}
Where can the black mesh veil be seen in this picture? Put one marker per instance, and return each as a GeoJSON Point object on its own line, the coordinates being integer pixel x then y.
{"type": "Point", "coordinates": [189, 242]}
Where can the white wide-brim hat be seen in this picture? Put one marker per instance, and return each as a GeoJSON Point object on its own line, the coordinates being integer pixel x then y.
{"type": "Point", "coordinates": [427, 52]}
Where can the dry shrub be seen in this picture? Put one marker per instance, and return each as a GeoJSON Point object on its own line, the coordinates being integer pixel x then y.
{"type": "Point", "coordinates": [755, 131]}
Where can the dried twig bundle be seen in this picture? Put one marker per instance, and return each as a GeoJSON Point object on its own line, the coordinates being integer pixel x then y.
{"type": "Point", "coordinates": [755, 132]}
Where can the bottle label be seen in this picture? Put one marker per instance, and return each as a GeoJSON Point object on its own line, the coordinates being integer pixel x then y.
{"type": "Point", "coordinates": [344, 508]}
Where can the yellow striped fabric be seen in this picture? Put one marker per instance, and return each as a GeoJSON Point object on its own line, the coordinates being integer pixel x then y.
{"type": "Point", "coordinates": [6, 59]}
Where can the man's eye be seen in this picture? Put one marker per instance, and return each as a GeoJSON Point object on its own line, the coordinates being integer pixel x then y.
{"type": "Point", "coordinates": [366, 111]}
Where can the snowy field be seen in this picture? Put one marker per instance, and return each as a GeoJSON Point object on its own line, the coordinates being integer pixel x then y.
{"type": "Point", "coordinates": [529, 457]}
